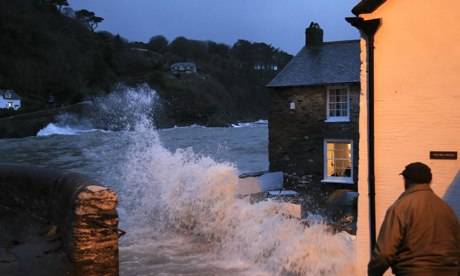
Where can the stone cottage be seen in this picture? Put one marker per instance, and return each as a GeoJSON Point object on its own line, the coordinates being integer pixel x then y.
{"type": "Point", "coordinates": [313, 116]}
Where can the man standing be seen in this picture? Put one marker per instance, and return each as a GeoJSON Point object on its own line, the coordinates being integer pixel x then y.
{"type": "Point", "coordinates": [420, 234]}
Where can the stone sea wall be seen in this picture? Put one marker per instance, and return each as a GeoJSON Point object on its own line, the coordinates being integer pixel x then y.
{"type": "Point", "coordinates": [28, 124]}
{"type": "Point", "coordinates": [81, 211]}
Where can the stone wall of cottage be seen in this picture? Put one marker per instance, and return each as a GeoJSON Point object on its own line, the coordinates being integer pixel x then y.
{"type": "Point", "coordinates": [82, 212]}
{"type": "Point", "coordinates": [296, 138]}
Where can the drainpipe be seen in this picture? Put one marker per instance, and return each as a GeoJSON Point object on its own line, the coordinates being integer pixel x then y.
{"type": "Point", "coordinates": [370, 27]}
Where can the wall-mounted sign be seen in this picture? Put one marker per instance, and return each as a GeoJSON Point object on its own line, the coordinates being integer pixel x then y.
{"type": "Point", "coordinates": [449, 155]}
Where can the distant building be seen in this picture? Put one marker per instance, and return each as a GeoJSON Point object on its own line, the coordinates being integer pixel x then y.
{"type": "Point", "coordinates": [9, 100]}
{"type": "Point", "coordinates": [51, 101]}
{"type": "Point", "coordinates": [263, 66]}
{"type": "Point", "coordinates": [183, 67]}
{"type": "Point", "coordinates": [313, 116]}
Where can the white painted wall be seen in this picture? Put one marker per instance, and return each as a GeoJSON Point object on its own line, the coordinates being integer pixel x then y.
{"type": "Point", "coordinates": [417, 104]}
{"type": "Point", "coordinates": [4, 103]}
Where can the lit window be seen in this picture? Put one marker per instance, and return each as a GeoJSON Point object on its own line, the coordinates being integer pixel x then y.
{"type": "Point", "coordinates": [338, 104]}
{"type": "Point", "coordinates": [338, 161]}
{"type": "Point", "coordinates": [10, 105]}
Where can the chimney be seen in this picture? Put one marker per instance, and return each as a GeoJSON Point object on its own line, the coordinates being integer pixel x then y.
{"type": "Point", "coordinates": [313, 35]}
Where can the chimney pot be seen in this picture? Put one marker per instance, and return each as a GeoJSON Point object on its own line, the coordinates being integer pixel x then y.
{"type": "Point", "coordinates": [313, 35]}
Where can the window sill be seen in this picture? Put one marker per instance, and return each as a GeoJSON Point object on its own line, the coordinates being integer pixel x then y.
{"type": "Point", "coordinates": [337, 120]}
{"type": "Point", "coordinates": [338, 181]}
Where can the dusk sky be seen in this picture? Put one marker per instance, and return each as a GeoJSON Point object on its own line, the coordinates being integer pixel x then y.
{"type": "Point", "coordinates": [280, 23]}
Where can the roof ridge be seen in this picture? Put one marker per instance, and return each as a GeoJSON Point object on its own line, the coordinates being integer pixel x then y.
{"type": "Point", "coordinates": [342, 41]}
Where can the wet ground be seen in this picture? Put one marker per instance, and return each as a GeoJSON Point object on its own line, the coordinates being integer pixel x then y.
{"type": "Point", "coordinates": [29, 246]}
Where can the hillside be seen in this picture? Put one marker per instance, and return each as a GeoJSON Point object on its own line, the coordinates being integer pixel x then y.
{"type": "Point", "coordinates": [47, 49]}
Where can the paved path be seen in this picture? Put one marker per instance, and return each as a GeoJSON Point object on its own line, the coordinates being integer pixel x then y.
{"type": "Point", "coordinates": [28, 246]}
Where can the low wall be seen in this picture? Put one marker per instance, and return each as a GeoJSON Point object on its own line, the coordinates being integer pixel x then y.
{"type": "Point", "coordinates": [83, 210]}
{"type": "Point", "coordinates": [28, 124]}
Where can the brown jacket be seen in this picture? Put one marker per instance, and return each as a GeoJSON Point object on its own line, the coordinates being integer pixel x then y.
{"type": "Point", "coordinates": [420, 235]}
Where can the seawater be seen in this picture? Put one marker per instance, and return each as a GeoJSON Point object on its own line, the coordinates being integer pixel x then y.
{"type": "Point", "coordinates": [177, 198]}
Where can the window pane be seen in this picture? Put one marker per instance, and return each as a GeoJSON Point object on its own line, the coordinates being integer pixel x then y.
{"type": "Point", "coordinates": [338, 159]}
{"type": "Point", "coordinates": [338, 102]}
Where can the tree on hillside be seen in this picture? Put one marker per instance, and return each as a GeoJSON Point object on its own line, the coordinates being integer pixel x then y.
{"type": "Point", "coordinates": [281, 58]}
{"type": "Point", "coordinates": [220, 49]}
{"type": "Point", "coordinates": [158, 44]}
{"type": "Point", "coordinates": [88, 18]}
{"type": "Point", "coordinates": [243, 52]}
{"type": "Point", "coordinates": [198, 50]}
{"type": "Point", "coordinates": [189, 49]}
{"type": "Point", "coordinates": [119, 42]}
{"type": "Point", "coordinates": [58, 4]}
{"type": "Point", "coordinates": [259, 55]}
{"type": "Point", "coordinates": [179, 47]}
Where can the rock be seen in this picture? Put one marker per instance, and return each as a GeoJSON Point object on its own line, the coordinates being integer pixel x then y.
{"type": "Point", "coordinates": [52, 231]}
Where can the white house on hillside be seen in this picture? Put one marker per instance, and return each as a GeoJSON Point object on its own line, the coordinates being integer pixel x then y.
{"type": "Point", "coordinates": [183, 67]}
{"type": "Point", "coordinates": [9, 99]}
{"type": "Point", "coordinates": [410, 104]}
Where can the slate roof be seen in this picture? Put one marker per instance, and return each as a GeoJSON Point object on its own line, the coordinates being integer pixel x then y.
{"type": "Point", "coordinates": [329, 63]}
{"type": "Point", "coordinates": [13, 95]}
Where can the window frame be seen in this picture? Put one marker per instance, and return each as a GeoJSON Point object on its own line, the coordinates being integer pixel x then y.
{"type": "Point", "coordinates": [334, 119]}
{"type": "Point", "coordinates": [337, 179]}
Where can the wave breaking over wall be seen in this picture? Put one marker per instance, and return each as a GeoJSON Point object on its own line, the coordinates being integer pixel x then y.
{"type": "Point", "coordinates": [189, 196]}
{"type": "Point", "coordinates": [182, 216]}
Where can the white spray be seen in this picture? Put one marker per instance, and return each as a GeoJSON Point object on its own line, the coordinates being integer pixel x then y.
{"type": "Point", "coordinates": [194, 196]}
